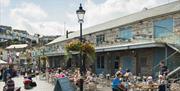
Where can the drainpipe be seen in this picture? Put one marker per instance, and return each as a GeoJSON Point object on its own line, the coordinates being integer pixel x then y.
{"type": "Point", "coordinates": [166, 60]}
{"type": "Point", "coordinates": [153, 33]}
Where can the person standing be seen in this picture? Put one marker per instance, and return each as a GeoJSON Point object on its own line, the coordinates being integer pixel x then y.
{"type": "Point", "coordinates": [163, 72]}
{"type": "Point", "coordinates": [5, 73]}
{"type": "Point", "coordinates": [163, 69]}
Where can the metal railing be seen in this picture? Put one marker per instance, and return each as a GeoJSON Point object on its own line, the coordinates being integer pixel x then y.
{"type": "Point", "coordinates": [175, 74]}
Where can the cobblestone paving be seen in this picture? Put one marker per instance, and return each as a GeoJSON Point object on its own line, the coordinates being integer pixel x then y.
{"type": "Point", "coordinates": [41, 85]}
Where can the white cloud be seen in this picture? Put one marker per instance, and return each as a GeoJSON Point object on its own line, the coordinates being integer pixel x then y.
{"type": "Point", "coordinates": [111, 9]}
{"type": "Point", "coordinates": [32, 17]}
{"type": "Point", "coordinates": [48, 28]}
{"type": "Point", "coordinates": [30, 11]}
{"type": "Point", "coordinates": [4, 3]}
{"type": "Point", "coordinates": [41, 27]}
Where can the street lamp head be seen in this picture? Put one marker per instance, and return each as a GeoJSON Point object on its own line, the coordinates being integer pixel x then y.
{"type": "Point", "coordinates": [80, 14]}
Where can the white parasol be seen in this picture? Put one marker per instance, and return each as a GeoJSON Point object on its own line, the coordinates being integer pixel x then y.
{"type": "Point", "coordinates": [2, 62]}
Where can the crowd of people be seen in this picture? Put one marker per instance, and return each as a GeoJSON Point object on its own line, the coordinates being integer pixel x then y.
{"type": "Point", "coordinates": [6, 74]}
{"type": "Point", "coordinates": [124, 80]}
{"type": "Point", "coordinates": [73, 75]}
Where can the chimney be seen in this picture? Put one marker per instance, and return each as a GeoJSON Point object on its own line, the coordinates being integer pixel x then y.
{"type": "Point", "coordinates": [67, 34]}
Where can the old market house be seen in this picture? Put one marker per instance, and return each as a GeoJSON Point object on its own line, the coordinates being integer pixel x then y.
{"type": "Point", "coordinates": [137, 42]}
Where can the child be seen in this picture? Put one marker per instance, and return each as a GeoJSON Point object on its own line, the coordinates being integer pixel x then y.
{"type": "Point", "coordinates": [162, 82]}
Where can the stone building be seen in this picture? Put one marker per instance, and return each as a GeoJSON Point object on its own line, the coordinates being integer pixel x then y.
{"type": "Point", "coordinates": [137, 42]}
{"type": "Point", "coordinates": [5, 33]}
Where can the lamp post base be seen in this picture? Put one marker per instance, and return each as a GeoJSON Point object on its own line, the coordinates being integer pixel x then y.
{"type": "Point", "coordinates": [81, 84]}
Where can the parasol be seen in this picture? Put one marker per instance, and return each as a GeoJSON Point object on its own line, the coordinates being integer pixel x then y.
{"type": "Point", "coordinates": [2, 62]}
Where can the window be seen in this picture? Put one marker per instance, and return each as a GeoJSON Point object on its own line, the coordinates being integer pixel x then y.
{"type": "Point", "coordinates": [125, 33]}
{"type": "Point", "coordinates": [100, 62]}
{"type": "Point", "coordinates": [100, 39]}
{"type": "Point", "coordinates": [116, 65]}
{"type": "Point", "coordinates": [163, 27]}
{"type": "Point", "coordinates": [144, 61]}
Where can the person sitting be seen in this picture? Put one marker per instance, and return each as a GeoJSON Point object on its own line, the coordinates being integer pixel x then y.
{"type": "Point", "coordinates": [149, 80]}
{"type": "Point", "coordinates": [117, 83]}
{"type": "Point", "coordinates": [32, 83]}
{"type": "Point", "coordinates": [128, 75]}
{"type": "Point", "coordinates": [27, 83]}
{"type": "Point", "coordinates": [60, 75]}
{"type": "Point", "coordinates": [77, 77]}
{"type": "Point", "coordinates": [89, 78]}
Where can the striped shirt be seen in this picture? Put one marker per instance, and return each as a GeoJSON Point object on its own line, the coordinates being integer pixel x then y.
{"type": "Point", "coordinates": [10, 85]}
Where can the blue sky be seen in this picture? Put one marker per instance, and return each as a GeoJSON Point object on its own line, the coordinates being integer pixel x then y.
{"type": "Point", "coordinates": [52, 17]}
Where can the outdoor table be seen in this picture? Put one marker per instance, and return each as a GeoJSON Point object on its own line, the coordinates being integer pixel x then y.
{"type": "Point", "coordinates": [145, 87]}
{"type": "Point", "coordinates": [174, 87]}
{"type": "Point", "coordinates": [90, 86]}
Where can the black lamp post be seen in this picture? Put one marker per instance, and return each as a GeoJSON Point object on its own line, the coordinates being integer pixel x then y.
{"type": "Point", "coordinates": [80, 14]}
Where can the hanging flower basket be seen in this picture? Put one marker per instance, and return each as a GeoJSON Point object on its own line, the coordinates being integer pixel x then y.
{"type": "Point", "coordinates": [44, 58]}
{"type": "Point", "coordinates": [87, 48]}
{"type": "Point", "coordinates": [74, 45]}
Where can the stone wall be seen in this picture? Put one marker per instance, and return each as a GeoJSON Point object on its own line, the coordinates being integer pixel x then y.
{"type": "Point", "coordinates": [142, 31]}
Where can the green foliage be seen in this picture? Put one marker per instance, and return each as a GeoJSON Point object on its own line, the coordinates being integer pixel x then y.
{"type": "Point", "coordinates": [68, 55]}
{"type": "Point", "coordinates": [87, 49]}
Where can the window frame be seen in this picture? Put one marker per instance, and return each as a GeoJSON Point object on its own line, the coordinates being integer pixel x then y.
{"type": "Point", "coordinates": [144, 63]}
{"type": "Point", "coordinates": [163, 30]}
{"type": "Point", "coordinates": [124, 31]}
{"type": "Point", "coordinates": [100, 62]}
{"type": "Point", "coordinates": [100, 39]}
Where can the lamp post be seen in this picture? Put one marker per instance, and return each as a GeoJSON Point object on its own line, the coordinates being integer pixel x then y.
{"type": "Point", "coordinates": [80, 14]}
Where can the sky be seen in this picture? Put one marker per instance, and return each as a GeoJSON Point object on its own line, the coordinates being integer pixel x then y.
{"type": "Point", "coordinates": [53, 17]}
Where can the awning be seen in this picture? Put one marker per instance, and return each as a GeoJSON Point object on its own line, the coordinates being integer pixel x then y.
{"type": "Point", "coordinates": [18, 46]}
{"type": "Point", "coordinates": [149, 44]}
{"type": "Point", "coordinates": [130, 46]}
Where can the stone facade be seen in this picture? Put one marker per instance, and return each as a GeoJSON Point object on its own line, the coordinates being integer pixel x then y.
{"type": "Point", "coordinates": [142, 60]}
